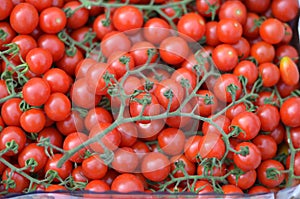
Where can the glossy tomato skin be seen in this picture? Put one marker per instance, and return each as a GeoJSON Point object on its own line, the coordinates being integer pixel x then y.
{"type": "Point", "coordinates": [211, 146]}
{"type": "Point", "coordinates": [278, 7]}
{"type": "Point", "coordinates": [250, 161]}
{"type": "Point", "coordinates": [53, 44]}
{"type": "Point", "coordinates": [58, 80]}
{"type": "Point", "coordinates": [33, 120]}
{"type": "Point", "coordinates": [101, 27]}
{"type": "Point", "coordinates": [97, 186]}
{"type": "Point", "coordinates": [262, 52]}
{"type": "Point", "coordinates": [204, 108]}
{"type": "Point", "coordinates": [189, 166]}
{"type": "Point", "coordinates": [267, 146]}
{"type": "Point", "coordinates": [96, 115]}
{"type": "Point", "coordinates": [52, 20]}
{"type": "Point", "coordinates": [5, 9]}
{"type": "Point", "coordinates": [289, 71]}
{"type": "Point", "coordinates": [9, 134]}
{"type": "Point", "coordinates": [272, 31]}
{"type": "Point", "coordinates": [171, 141]}
{"type": "Point", "coordinates": [24, 18]}
{"type": "Point", "coordinates": [262, 173]}
{"type": "Point", "coordinates": [270, 74]}
{"type": "Point", "coordinates": [156, 30]}
{"type": "Point", "coordinates": [73, 140]}
{"type": "Point", "coordinates": [202, 187]}
{"type": "Point", "coordinates": [233, 10]}
{"type": "Point", "coordinates": [125, 183]}
{"type": "Point", "coordinates": [155, 166]}
{"type": "Point", "coordinates": [6, 27]}
{"type": "Point", "coordinates": [11, 112]}
{"type": "Point", "coordinates": [79, 17]}
{"type": "Point", "coordinates": [247, 69]}
{"type": "Point", "coordinates": [225, 57]}
{"type": "Point", "coordinates": [191, 148]}
{"type": "Point", "coordinates": [244, 181]}
{"type": "Point", "coordinates": [289, 112]}
{"type": "Point", "coordinates": [25, 44]}
{"type": "Point", "coordinates": [20, 181]}
{"type": "Point", "coordinates": [229, 30]}
{"type": "Point", "coordinates": [125, 160]}
{"type": "Point", "coordinates": [115, 41]}
{"type": "Point", "coordinates": [93, 167]}
{"type": "Point", "coordinates": [269, 117]}
{"type": "Point", "coordinates": [58, 107]}
{"type": "Point", "coordinates": [54, 136]}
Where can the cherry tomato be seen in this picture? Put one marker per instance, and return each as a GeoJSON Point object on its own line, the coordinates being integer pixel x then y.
{"type": "Point", "coordinates": [257, 6]}
{"type": "Point", "coordinates": [244, 180]}
{"type": "Point", "coordinates": [73, 140]}
{"type": "Point", "coordinates": [54, 136]}
{"type": "Point", "coordinates": [258, 189]}
{"type": "Point", "coordinates": [272, 31]}
{"type": "Point", "coordinates": [25, 44]}
{"type": "Point", "coordinates": [69, 63]}
{"type": "Point", "coordinates": [270, 74]}
{"type": "Point", "coordinates": [33, 120]}
{"type": "Point", "coordinates": [229, 30]}
{"type": "Point", "coordinates": [36, 91]}
{"type": "Point", "coordinates": [289, 112]}
{"type": "Point", "coordinates": [262, 52]}
{"type": "Point", "coordinates": [202, 187]}
{"type": "Point", "coordinates": [269, 173]}
{"type": "Point", "coordinates": [9, 33]}
{"type": "Point", "coordinates": [5, 9]}
{"type": "Point", "coordinates": [52, 20]}
{"type": "Point", "coordinates": [20, 182]}
{"type": "Point", "coordinates": [24, 18]}
{"type": "Point", "coordinates": [52, 44]}
{"type": "Point", "coordinates": [39, 60]}
{"type": "Point", "coordinates": [191, 148]}
{"type": "Point", "coordinates": [250, 29]}
{"type": "Point", "coordinates": [279, 6]}
{"type": "Point", "coordinates": [12, 133]}
{"type": "Point", "coordinates": [102, 26]}
{"type": "Point", "coordinates": [289, 72]}
{"type": "Point", "coordinates": [125, 160]}
{"type": "Point", "coordinates": [156, 30]}
{"type": "Point", "coordinates": [63, 172]}
{"type": "Point", "coordinates": [140, 53]}
{"type": "Point", "coordinates": [93, 167]}
{"type": "Point", "coordinates": [79, 16]}
{"type": "Point", "coordinates": [233, 10]}
{"type": "Point", "coordinates": [189, 166]}
{"type": "Point", "coordinates": [231, 189]}
{"type": "Point", "coordinates": [11, 112]}
{"type": "Point", "coordinates": [96, 186]}
{"type": "Point", "coordinates": [170, 140]}
{"type": "Point", "coordinates": [207, 103]}
{"type": "Point", "coordinates": [126, 182]}
{"type": "Point", "coordinates": [225, 57]}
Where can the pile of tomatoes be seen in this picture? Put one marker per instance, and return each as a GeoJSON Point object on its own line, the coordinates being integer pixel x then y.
{"type": "Point", "coordinates": [149, 96]}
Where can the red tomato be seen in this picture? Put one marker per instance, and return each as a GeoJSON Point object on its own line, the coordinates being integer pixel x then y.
{"type": "Point", "coordinates": [79, 16]}
{"type": "Point", "coordinates": [189, 166]}
{"type": "Point", "coordinates": [272, 31]}
{"type": "Point", "coordinates": [171, 141]}
{"type": "Point", "coordinates": [225, 57]}
{"type": "Point", "coordinates": [191, 148]}
{"type": "Point", "coordinates": [125, 183]}
{"type": "Point", "coordinates": [262, 52]}
{"type": "Point", "coordinates": [289, 72]}
{"type": "Point", "coordinates": [125, 160]}
{"type": "Point", "coordinates": [102, 26]}
{"type": "Point", "coordinates": [229, 30]}
{"type": "Point", "coordinates": [231, 189]}
{"type": "Point", "coordinates": [202, 187]}
{"type": "Point", "coordinates": [244, 180]}
{"type": "Point", "coordinates": [33, 120]}
{"type": "Point", "coordinates": [20, 182]}
{"type": "Point", "coordinates": [221, 121]}
{"type": "Point", "coordinates": [207, 103]}
{"type": "Point", "coordinates": [52, 44]}
{"type": "Point", "coordinates": [279, 9]}
{"type": "Point", "coordinates": [12, 133]}
{"type": "Point", "coordinates": [96, 186]}
{"type": "Point", "coordinates": [39, 60]}
{"type": "Point", "coordinates": [58, 107]}
{"type": "Point", "coordinates": [248, 70]}
{"type": "Point", "coordinates": [269, 173]}
{"type": "Point", "coordinates": [270, 74]}
{"type": "Point", "coordinates": [11, 112]}
{"type": "Point", "coordinates": [73, 140]}
{"type": "Point", "coordinates": [52, 20]}
{"type": "Point", "coordinates": [156, 30]}
{"type": "Point", "coordinates": [267, 146]}
{"type": "Point", "coordinates": [5, 9]}
{"type": "Point", "coordinates": [233, 10]}
{"type": "Point", "coordinates": [94, 168]}
{"type": "Point", "coordinates": [289, 112]}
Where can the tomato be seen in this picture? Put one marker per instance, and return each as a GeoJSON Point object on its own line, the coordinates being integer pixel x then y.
{"type": "Point", "coordinates": [289, 112]}
{"type": "Point", "coordinates": [40, 5]}
{"type": "Point", "coordinates": [140, 53]}
{"type": "Point", "coordinates": [171, 141]}
{"type": "Point", "coordinates": [251, 160]}
{"type": "Point", "coordinates": [118, 61]}
{"type": "Point", "coordinates": [39, 60]}
{"type": "Point", "coordinates": [5, 9]}
{"type": "Point", "coordinates": [248, 70]}
{"type": "Point", "coordinates": [266, 97]}
{"type": "Point", "coordinates": [295, 135]}
{"type": "Point", "coordinates": [289, 71]}
{"type": "Point", "coordinates": [211, 33]}
{"type": "Point", "coordinates": [208, 8]}
{"type": "Point", "coordinates": [181, 121]}
{"type": "Point", "coordinates": [262, 52]}
{"type": "Point", "coordinates": [233, 10]}
{"type": "Point", "coordinates": [231, 189]}
{"type": "Point", "coordinates": [54, 136]}
{"type": "Point", "coordinates": [270, 74]}
{"type": "Point", "coordinates": [206, 105]}
{"type": "Point", "coordinates": [63, 172]}
{"type": "Point", "coordinates": [211, 146]}
{"type": "Point", "coordinates": [250, 29]}
{"type": "Point", "coordinates": [68, 63]}
{"type": "Point", "coordinates": [225, 57]}
{"type": "Point", "coordinates": [52, 44]}
{"type": "Point", "coordinates": [58, 80]}
{"type": "Point", "coordinates": [155, 166]}
{"type": "Point", "coordinates": [25, 44]}
{"type": "Point", "coordinates": [149, 131]}
{"type": "Point", "coordinates": [11, 112]}
{"type": "Point", "coordinates": [267, 146]}
{"type": "Point", "coordinates": [81, 96]}
{"type": "Point", "coordinates": [126, 182]}
{"type": "Point", "coordinates": [222, 84]}
{"type": "Point", "coordinates": [191, 26]}
{"type": "Point", "coordinates": [97, 78]}
{"type": "Point", "coordinates": [258, 189]}
{"type": "Point", "coordinates": [73, 140]}
{"type": "Point", "coordinates": [9, 32]}
{"type": "Point", "coordinates": [101, 26]}
{"type": "Point", "coordinates": [242, 47]}
{"type": "Point", "coordinates": [244, 180]}
{"type": "Point", "coordinates": [52, 20]}
{"type": "Point", "coordinates": [96, 186]}
{"type": "Point", "coordinates": [257, 6]}
{"type": "Point", "coordinates": [295, 163]}
{"type": "Point", "coordinates": [19, 181]}
{"type": "Point", "coordinates": [111, 140]}
{"type": "Point", "coordinates": [269, 173]}
{"type": "Point", "coordinates": [279, 6]}
{"type": "Point", "coordinates": [202, 187]}
{"type": "Point", "coordinates": [221, 121]}
{"type": "Point", "coordinates": [9, 134]}
{"type": "Point", "coordinates": [169, 93]}
{"type": "Point", "coordinates": [33, 152]}
{"type": "Point", "coordinates": [189, 166]}
{"type": "Point", "coordinates": [33, 120]}
{"type": "Point", "coordinates": [97, 115]}
{"type": "Point", "coordinates": [58, 107]}
{"type": "Point", "coordinates": [83, 66]}
{"type": "Point", "coordinates": [286, 50]}
{"type": "Point", "coordinates": [125, 160]}
{"type": "Point", "coordinates": [272, 31]}
{"type": "Point", "coordinates": [249, 124]}
{"type": "Point", "coordinates": [36, 91]}
{"type": "Point", "coordinates": [173, 50]}
{"type": "Point", "coordinates": [93, 167]}
{"type": "Point", "coordinates": [55, 187]}
{"type": "Point", "coordinates": [191, 148]}
{"type": "Point", "coordinates": [79, 16]}
{"type": "Point", "coordinates": [269, 117]}
{"type": "Point", "coordinates": [78, 176]}
{"type": "Point", "coordinates": [278, 133]}
{"type": "Point", "coordinates": [284, 89]}
{"type": "Point", "coordinates": [156, 30]}
{"type": "Point", "coordinates": [229, 30]}
{"type": "Point", "coordinates": [24, 18]}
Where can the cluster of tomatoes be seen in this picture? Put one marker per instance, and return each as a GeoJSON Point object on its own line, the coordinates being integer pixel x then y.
{"type": "Point", "coordinates": [149, 95]}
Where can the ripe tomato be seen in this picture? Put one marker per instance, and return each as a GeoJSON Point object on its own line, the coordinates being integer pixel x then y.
{"type": "Point", "coordinates": [208, 8]}
{"type": "Point", "coordinates": [289, 72]}
{"type": "Point", "coordinates": [24, 18]}
{"type": "Point", "coordinates": [173, 50]}
{"type": "Point", "coordinates": [258, 189]}
{"type": "Point", "coordinates": [20, 182]}
{"type": "Point", "coordinates": [52, 20]}
{"type": "Point", "coordinates": [78, 176]}
{"type": "Point", "coordinates": [55, 187]}
{"type": "Point", "coordinates": [250, 29]}
{"type": "Point", "coordinates": [58, 80]}
{"type": "Point", "coordinates": [269, 117]}
{"type": "Point", "coordinates": [149, 131]}
{"type": "Point", "coordinates": [202, 187]}
{"type": "Point", "coordinates": [9, 134]}
{"type": "Point", "coordinates": [266, 97]}
{"type": "Point", "coordinates": [211, 33]}
{"type": "Point", "coordinates": [267, 146]}
{"type": "Point", "coordinates": [63, 172]}
{"type": "Point", "coordinates": [36, 91]}
{"type": "Point", "coordinates": [221, 87]}
{"type": "Point", "coordinates": [279, 6]}
{"type": "Point", "coordinates": [242, 46]}
{"type": "Point", "coordinates": [39, 60]}
{"type": "Point", "coordinates": [231, 189]}
{"type": "Point", "coordinates": [207, 103]}
{"type": "Point", "coordinates": [211, 146]}
{"type": "Point", "coordinates": [118, 61]}
{"type": "Point", "coordinates": [101, 26]}
{"type": "Point", "coordinates": [171, 141]}
{"type": "Point", "coordinates": [155, 166]}
{"type": "Point", "coordinates": [58, 107]}
{"type": "Point", "coordinates": [295, 163]}
{"type": "Point", "coordinates": [128, 133]}
{"type": "Point", "coordinates": [94, 168]}
{"type": "Point", "coordinates": [68, 63]}
{"type": "Point", "coordinates": [191, 26]}
{"type": "Point", "coordinates": [111, 140]}
{"type": "Point", "coordinates": [262, 52]}
{"type": "Point", "coordinates": [11, 112]}
{"type": "Point", "coordinates": [125, 160]}
{"type": "Point", "coordinates": [52, 44]}
{"type": "Point", "coordinates": [233, 10]}
{"type": "Point", "coordinates": [33, 120]}
{"type": "Point", "coordinates": [54, 136]}
{"type": "Point", "coordinates": [247, 69]}
{"type": "Point", "coordinates": [225, 57]}
{"type": "Point", "coordinates": [97, 115]}
{"type": "Point", "coordinates": [5, 9]}
{"type": "Point", "coordinates": [244, 180]}
{"type": "Point", "coordinates": [229, 30]}
{"type": "Point", "coordinates": [191, 148]}
{"type": "Point", "coordinates": [126, 182]}
{"type": "Point", "coordinates": [96, 186]}
{"type": "Point", "coordinates": [257, 6]}
{"type": "Point", "coordinates": [73, 140]}
{"type": "Point", "coordinates": [33, 152]}
{"type": "Point", "coordinates": [140, 52]}
{"type": "Point", "coordinates": [25, 44]}
{"type": "Point", "coordinates": [156, 30]}
{"type": "Point", "coordinates": [289, 112]}
{"type": "Point", "coordinates": [270, 74]}
{"type": "Point", "coordinates": [10, 34]}
{"type": "Point", "coordinates": [251, 160]}
{"type": "Point", "coordinates": [189, 166]}
{"type": "Point", "coordinates": [79, 16]}
{"type": "Point", "coordinates": [269, 173]}
{"type": "Point", "coordinates": [249, 123]}
{"type": "Point", "coordinates": [272, 31]}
